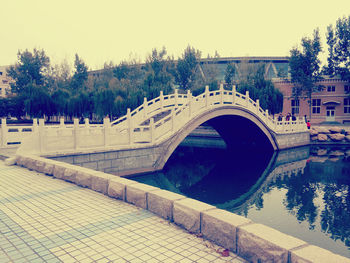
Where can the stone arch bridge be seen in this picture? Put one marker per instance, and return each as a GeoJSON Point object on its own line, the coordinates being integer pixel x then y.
{"type": "Point", "coordinates": [145, 138]}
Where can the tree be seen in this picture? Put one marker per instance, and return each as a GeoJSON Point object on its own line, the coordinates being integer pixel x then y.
{"type": "Point", "coordinates": [31, 68]}
{"type": "Point", "coordinates": [338, 41]}
{"type": "Point", "coordinates": [80, 74]}
{"type": "Point", "coordinates": [230, 74]}
{"type": "Point", "coordinates": [158, 72]}
{"type": "Point", "coordinates": [31, 78]}
{"type": "Point", "coordinates": [330, 68]}
{"type": "Point", "coordinates": [254, 81]}
{"type": "Point", "coordinates": [305, 68]}
{"type": "Point", "coordinates": [186, 68]}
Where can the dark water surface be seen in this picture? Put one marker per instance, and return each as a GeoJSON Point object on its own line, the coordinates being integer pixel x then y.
{"type": "Point", "coordinates": [301, 195]}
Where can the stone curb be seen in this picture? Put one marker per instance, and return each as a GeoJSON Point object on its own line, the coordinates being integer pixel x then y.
{"type": "Point", "coordinates": [251, 241]}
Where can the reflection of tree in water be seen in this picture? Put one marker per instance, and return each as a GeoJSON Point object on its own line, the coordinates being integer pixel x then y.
{"type": "Point", "coordinates": [335, 218]}
{"type": "Point", "coordinates": [333, 180]}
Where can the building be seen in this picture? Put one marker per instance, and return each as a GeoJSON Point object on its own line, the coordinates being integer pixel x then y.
{"type": "Point", "coordinates": [4, 82]}
{"type": "Point", "coordinates": [331, 104]}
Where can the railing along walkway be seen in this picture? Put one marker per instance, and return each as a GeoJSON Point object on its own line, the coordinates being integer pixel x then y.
{"type": "Point", "coordinates": [150, 123]}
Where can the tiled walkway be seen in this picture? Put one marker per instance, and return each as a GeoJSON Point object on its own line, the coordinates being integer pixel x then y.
{"type": "Point", "coordinates": [43, 219]}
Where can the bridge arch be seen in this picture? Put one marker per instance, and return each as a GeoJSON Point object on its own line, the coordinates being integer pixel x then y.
{"type": "Point", "coordinates": [213, 115]}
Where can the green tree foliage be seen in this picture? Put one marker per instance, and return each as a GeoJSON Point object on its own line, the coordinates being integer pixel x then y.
{"type": "Point", "coordinates": [31, 68]}
{"type": "Point", "coordinates": [305, 67]}
{"type": "Point", "coordinates": [80, 74]}
{"type": "Point", "coordinates": [30, 75]}
{"type": "Point", "coordinates": [186, 68]}
{"type": "Point", "coordinates": [158, 73]}
{"type": "Point", "coordinates": [338, 40]}
{"type": "Point", "coordinates": [230, 74]}
{"type": "Point", "coordinates": [255, 82]}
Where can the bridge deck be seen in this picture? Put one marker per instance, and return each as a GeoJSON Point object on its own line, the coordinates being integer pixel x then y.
{"type": "Point", "coordinates": [48, 220]}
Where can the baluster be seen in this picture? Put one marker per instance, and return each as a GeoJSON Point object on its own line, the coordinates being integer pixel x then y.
{"type": "Point", "coordinates": [257, 106]}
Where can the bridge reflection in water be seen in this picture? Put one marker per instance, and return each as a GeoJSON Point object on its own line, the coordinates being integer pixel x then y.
{"type": "Point", "coordinates": [279, 189]}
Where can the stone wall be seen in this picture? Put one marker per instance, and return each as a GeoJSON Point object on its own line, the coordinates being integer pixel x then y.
{"type": "Point", "coordinates": [119, 162]}
{"type": "Point", "coordinates": [253, 242]}
{"type": "Point", "coordinates": [285, 141]}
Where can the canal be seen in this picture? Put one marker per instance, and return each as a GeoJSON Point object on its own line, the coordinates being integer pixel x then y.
{"type": "Point", "coordinates": [294, 191]}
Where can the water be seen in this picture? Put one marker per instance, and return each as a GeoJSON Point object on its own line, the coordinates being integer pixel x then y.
{"type": "Point", "coordinates": [299, 194]}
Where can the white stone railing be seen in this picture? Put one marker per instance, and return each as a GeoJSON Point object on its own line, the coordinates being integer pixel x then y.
{"type": "Point", "coordinates": [139, 127]}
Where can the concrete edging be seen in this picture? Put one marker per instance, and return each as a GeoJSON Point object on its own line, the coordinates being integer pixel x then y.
{"type": "Point", "coordinates": [251, 241]}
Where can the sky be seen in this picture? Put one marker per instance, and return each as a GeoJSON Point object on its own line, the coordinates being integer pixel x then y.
{"type": "Point", "coordinates": [106, 31]}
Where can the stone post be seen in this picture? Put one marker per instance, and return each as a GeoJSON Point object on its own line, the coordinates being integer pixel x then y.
{"type": "Point", "coordinates": [206, 93]}
{"type": "Point", "coordinates": [151, 124]}
{"type": "Point", "coordinates": [87, 123]}
{"type": "Point", "coordinates": [3, 132]}
{"type": "Point", "coordinates": [76, 133]}
{"type": "Point", "coordinates": [41, 134]}
{"type": "Point", "coordinates": [144, 107]}
{"type": "Point", "coordinates": [257, 106]}
{"type": "Point", "coordinates": [62, 122]}
{"type": "Point", "coordinates": [189, 98]}
{"type": "Point", "coordinates": [106, 131]}
{"type": "Point", "coordinates": [221, 93]}
{"type": "Point", "coordinates": [267, 115]}
{"type": "Point", "coordinates": [175, 97]}
{"type": "Point", "coordinates": [161, 99]}
{"type": "Point", "coordinates": [131, 129]}
{"type": "Point", "coordinates": [233, 94]}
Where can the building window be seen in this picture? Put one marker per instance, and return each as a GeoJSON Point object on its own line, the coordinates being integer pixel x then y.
{"type": "Point", "coordinates": [295, 107]}
{"type": "Point", "coordinates": [331, 88]}
{"type": "Point", "coordinates": [316, 106]}
{"type": "Point", "coordinates": [0, 73]}
{"type": "Point", "coordinates": [347, 105]}
{"type": "Point", "coordinates": [347, 88]}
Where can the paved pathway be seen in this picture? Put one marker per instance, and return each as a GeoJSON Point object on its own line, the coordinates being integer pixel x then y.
{"type": "Point", "coordinates": [43, 219]}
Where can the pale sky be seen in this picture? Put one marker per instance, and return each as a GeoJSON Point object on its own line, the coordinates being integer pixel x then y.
{"type": "Point", "coordinates": [105, 30]}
